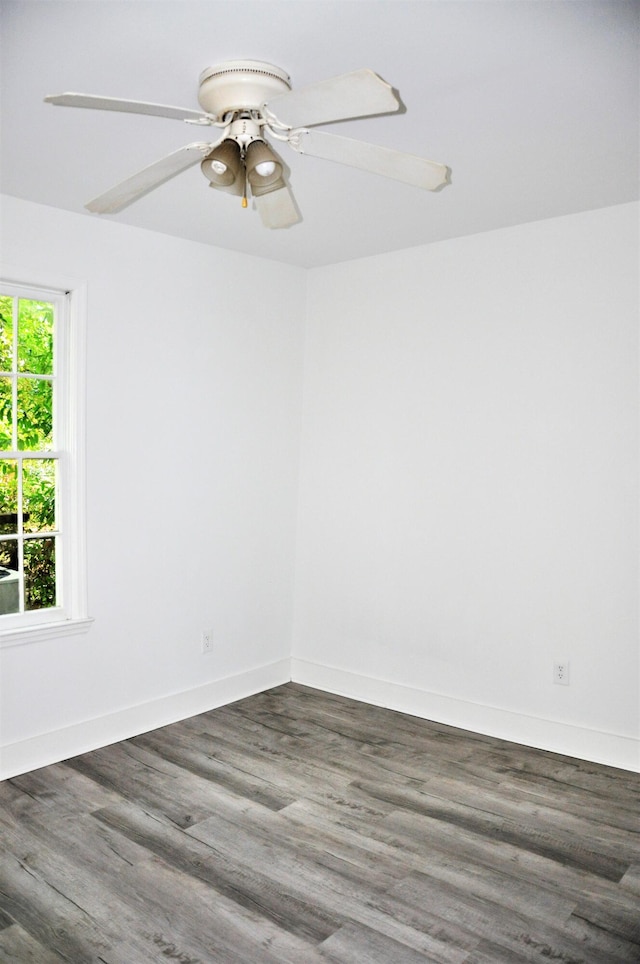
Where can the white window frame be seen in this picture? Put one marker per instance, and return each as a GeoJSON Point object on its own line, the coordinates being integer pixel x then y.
{"type": "Point", "coordinates": [71, 616]}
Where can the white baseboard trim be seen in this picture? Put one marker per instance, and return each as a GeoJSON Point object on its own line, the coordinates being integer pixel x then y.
{"type": "Point", "coordinates": [586, 744]}
{"type": "Point", "coordinates": [58, 745]}
{"type": "Point", "coordinates": [596, 746]}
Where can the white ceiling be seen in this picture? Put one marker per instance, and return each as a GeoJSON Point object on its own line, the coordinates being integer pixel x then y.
{"type": "Point", "coordinates": [533, 105]}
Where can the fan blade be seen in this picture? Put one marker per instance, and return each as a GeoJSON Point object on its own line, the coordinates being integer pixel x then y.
{"type": "Point", "coordinates": [127, 106]}
{"type": "Point", "coordinates": [358, 94]}
{"type": "Point", "coordinates": [278, 209]}
{"type": "Point", "coordinates": [136, 186]}
{"type": "Point", "coordinates": [370, 157]}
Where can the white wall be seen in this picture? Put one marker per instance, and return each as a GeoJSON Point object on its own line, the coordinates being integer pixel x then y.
{"type": "Point", "coordinates": [194, 395]}
{"type": "Point", "coordinates": [468, 483]}
{"type": "Point", "coordinates": [468, 500]}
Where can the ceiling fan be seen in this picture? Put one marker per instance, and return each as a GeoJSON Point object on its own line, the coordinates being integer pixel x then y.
{"type": "Point", "coordinates": [251, 103]}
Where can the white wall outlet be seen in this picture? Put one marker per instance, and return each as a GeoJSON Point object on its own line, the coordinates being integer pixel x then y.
{"type": "Point", "coordinates": [561, 672]}
{"type": "Point", "coordinates": [206, 640]}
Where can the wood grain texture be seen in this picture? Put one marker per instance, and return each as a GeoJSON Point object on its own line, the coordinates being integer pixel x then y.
{"type": "Point", "coordinates": [297, 826]}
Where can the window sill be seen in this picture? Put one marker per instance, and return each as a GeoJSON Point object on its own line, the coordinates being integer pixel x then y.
{"type": "Point", "coordinates": [36, 634]}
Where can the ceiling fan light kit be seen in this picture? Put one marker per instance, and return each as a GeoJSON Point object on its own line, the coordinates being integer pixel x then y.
{"type": "Point", "coordinates": [252, 102]}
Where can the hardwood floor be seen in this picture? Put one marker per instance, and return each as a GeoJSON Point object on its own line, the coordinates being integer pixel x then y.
{"type": "Point", "coordinates": [297, 826]}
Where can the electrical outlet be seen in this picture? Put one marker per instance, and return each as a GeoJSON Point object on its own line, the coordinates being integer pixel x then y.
{"type": "Point", "coordinates": [206, 640]}
{"type": "Point", "coordinates": [561, 672]}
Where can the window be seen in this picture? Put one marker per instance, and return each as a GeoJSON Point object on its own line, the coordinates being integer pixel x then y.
{"type": "Point", "coordinates": [42, 557]}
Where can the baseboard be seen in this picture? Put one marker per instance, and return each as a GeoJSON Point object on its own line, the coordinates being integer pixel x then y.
{"type": "Point", "coordinates": [586, 744]}
{"type": "Point", "coordinates": [58, 745]}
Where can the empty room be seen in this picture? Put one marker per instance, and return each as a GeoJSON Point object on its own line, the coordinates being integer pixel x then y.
{"type": "Point", "coordinates": [319, 542]}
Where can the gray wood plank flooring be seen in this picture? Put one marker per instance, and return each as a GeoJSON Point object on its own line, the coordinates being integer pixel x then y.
{"type": "Point", "coordinates": [297, 826]}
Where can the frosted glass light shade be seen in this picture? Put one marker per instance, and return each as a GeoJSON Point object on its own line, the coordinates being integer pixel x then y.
{"type": "Point", "coordinates": [264, 170]}
{"type": "Point", "coordinates": [223, 165]}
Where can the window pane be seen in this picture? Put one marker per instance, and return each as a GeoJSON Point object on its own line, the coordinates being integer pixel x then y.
{"type": "Point", "coordinates": [8, 496]}
{"type": "Point", "coordinates": [35, 337]}
{"type": "Point", "coordinates": [39, 494]}
{"type": "Point", "coordinates": [9, 578]}
{"type": "Point", "coordinates": [5, 413]}
{"type": "Point", "coordinates": [6, 333]}
{"type": "Point", "coordinates": [39, 573]}
{"type": "Point", "coordinates": [35, 414]}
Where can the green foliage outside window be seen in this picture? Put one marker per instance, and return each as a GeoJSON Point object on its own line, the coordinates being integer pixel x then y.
{"type": "Point", "coordinates": [27, 484]}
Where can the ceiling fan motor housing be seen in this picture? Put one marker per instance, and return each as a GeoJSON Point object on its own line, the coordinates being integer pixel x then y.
{"type": "Point", "coordinates": [240, 85]}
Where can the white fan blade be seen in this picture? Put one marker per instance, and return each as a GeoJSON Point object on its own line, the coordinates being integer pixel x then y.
{"type": "Point", "coordinates": [128, 106]}
{"type": "Point", "coordinates": [370, 157]}
{"type": "Point", "coordinates": [136, 186]}
{"type": "Point", "coordinates": [358, 94]}
{"type": "Point", "coordinates": [278, 209]}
